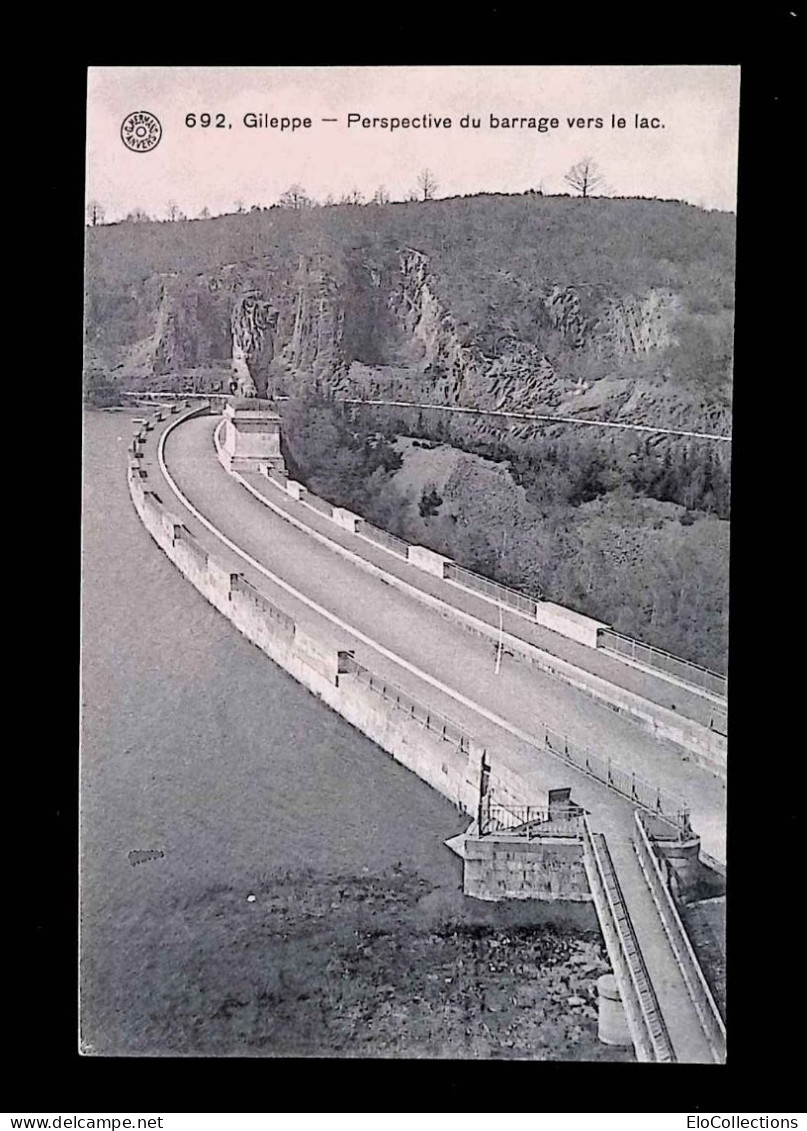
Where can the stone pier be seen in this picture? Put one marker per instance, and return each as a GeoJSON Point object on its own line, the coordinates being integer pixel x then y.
{"type": "Point", "coordinates": [251, 437]}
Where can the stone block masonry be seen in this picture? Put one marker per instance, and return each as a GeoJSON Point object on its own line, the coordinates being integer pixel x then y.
{"type": "Point", "coordinates": [191, 558]}
{"type": "Point", "coordinates": [251, 436]}
{"type": "Point", "coordinates": [315, 650]}
{"type": "Point", "coordinates": [547, 868]}
{"type": "Point", "coordinates": [320, 657]}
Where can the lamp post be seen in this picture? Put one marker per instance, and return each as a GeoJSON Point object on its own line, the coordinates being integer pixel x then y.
{"type": "Point", "coordinates": [501, 612]}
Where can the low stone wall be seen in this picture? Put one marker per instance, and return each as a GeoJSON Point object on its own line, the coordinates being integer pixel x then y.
{"type": "Point", "coordinates": [428, 560]}
{"type": "Point", "coordinates": [709, 747]}
{"type": "Point", "coordinates": [567, 622]}
{"type": "Point", "coordinates": [346, 519]}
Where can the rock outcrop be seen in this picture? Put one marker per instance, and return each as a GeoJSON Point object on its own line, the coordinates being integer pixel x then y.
{"type": "Point", "coordinates": [253, 324]}
{"type": "Point", "coordinates": [313, 349]}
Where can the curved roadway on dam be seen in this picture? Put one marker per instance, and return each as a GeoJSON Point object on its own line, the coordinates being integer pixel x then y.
{"type": "Point", "coordinates": [691, 705]}
{"type": "Point", "coordinates": [453, 670]}
{"type": "Point", "coordinates": [455, 658]}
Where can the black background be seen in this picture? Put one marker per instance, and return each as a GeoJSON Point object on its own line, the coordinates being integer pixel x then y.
{"type": "Point", "coordinates": [44, 357]}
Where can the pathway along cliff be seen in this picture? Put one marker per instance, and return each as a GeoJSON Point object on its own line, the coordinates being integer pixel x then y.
{"type": "Point", "coordinates": [209, 775]}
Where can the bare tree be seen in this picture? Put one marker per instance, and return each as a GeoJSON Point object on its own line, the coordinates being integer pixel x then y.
{"type": "Point", "coordinates": [173, 210]}
{"type": "Point", "coordinates": [138, 215]}
{"type": "Point", "coordinates": [295, 197]}
{"type": "Point", "coordinates": [355, 196]}
{"type": "Point", "coordinates": [205, 213]}
{"type": "Point", "coordinates": [240, 206]}
{"type": "Point", "coordinates": [584, 176]}
{"type": "Point", "coordinates": [381, 195]}
{"type": "Point", "coordinates": [426, 184]}
{"type": "Point", "coordinates": [95, 213]}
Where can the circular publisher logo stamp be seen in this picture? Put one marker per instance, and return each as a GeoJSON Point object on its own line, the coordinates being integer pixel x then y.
{"type": "Point", "coordinates": [141, 131]}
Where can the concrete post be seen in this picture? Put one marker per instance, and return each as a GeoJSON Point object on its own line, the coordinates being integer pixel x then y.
{"type": "Point", "coordinates": [612, 1023]}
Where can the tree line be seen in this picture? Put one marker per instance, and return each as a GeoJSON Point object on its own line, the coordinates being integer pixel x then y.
{"type": "Point", "coordinates": [584, 177]}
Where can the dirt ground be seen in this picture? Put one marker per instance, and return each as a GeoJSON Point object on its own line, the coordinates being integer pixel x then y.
{"type": "Point", "coordinates": [375, 966]}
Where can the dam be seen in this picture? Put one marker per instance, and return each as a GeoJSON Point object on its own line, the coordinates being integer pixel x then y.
{"type": "Point", "coordinates": [377, 638]}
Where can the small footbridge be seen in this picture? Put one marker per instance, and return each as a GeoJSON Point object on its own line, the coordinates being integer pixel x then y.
{"type": "Point", "coordinates": [669, 1007]}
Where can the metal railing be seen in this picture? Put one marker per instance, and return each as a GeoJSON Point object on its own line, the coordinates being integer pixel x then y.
{"type": "Point", "coordinates": [697, 987]}
{"type": "Point", "coordinates": [192, 547]}
{"type": "Point", "coordinates": [383, 538]}
{"type": "Point", "coordinates": [528, 821]}
{"type": "Point", "coordinates": [169, 396]}
{"type": "Point", "coordinates": [246, 589]}
{"type": "Point", "coordinates": [645, 1021]}
{"type": "Point", "coordinates": [627, 783]}
{"type": "Point", "coordinates": [662, 661]}
{"type": "Point", "coordinates": [492, 590]}
{"type": "Point", "coordinates": [433, 720]}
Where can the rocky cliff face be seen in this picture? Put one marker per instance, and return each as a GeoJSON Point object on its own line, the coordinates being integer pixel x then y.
{"type": "Point", "coordinates": [188, 324]}
{"type": "Point", "coordinates": [314, 347]}
{"type": "Point", "coordinates": [421, 315]}
{"type": "Point", "coordinates": [380, 328]}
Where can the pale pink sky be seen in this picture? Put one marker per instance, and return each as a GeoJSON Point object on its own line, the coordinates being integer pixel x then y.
{"type": "Point", "coordinates": [693, 158]}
